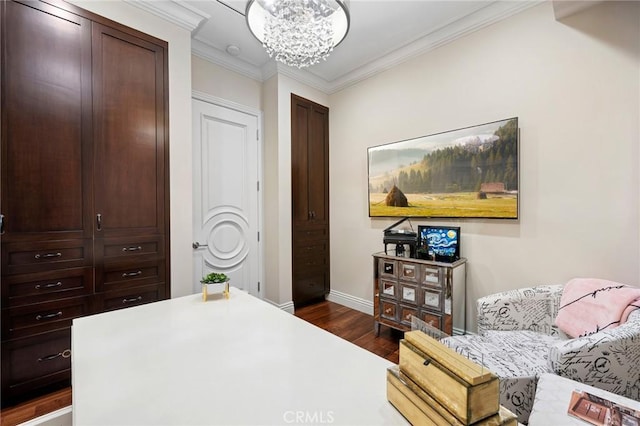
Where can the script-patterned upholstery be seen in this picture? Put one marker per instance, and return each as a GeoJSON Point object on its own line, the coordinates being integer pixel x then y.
{"type": "Point", "coordinates": [518, 340]}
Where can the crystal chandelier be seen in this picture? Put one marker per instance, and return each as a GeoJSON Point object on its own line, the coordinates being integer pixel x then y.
{"type": "Point", "coordinates": [299, 33]}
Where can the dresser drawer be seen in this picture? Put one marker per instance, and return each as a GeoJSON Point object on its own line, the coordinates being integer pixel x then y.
{"type": "Point", "coordinates": [34, 362]}
{"type": "Point", "coordinates": [123, 248]}
{"type": "Point", "coordinates": [431, 275]}
{"type": "Point", "coordinates": [409, 294]}
{"type": "Point", "coordinates": [388, 289]}
{"type": "Point", "coordinates": [388, 268]}
{"type": "Point", "coordinates": [388, 309]}
{"type": "Point", "coordinates": [42, 317]}
{"type": "Point", "coordinates": [432, 299]}
{"type": "Point", "coordinates": [130, 274]}
{"type": "Point", "coordinates": [26, 257]}
{"type": "Point", "coordinates": [38, 287]}
{"type": "Point", "coordinates": [406, 312]}
{"type": "Point", "coordinates": [432, 318]}
{"type": "Point", "coordinates": [126, 298]}
{"type": "Point", "coordinates": [409, 271]}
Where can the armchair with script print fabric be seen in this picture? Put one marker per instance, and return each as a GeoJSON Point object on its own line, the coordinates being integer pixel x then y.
{"type": "Point", "coordinates": [519, 340]}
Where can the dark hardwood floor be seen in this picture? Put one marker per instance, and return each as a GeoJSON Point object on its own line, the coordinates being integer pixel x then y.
{"type": "Point", "coordinates": [351, 325]}
{"type": "Point", "coordinates": [354, 326]}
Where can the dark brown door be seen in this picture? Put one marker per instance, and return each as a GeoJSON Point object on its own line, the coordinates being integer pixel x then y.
{"type": "Point", "coordinates": [84, 182]}
{"type": "Point", "coordinates": [310, 199]}
{"type": "Point", "coordinates": [131, 149]}
{"type": "Point", "coordinates": [46, 200]}
{"type": "Point", "coordinates": [46, 126]}
{"type": "Point", "coordinates": [129, 117]}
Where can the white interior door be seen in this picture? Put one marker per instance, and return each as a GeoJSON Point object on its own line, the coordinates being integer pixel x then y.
{"type": "Point", "coordinates": [226, 173]}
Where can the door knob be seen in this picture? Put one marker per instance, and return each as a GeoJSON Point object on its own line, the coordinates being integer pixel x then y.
{"type": "Point", "coordinates": [197, 245]}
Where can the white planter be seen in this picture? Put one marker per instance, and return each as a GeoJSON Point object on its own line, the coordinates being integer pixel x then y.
{"type": "Point", "coordinates": [214, 288]}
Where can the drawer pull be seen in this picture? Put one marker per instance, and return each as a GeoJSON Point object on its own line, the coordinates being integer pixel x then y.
{"type": "Point", "coordinates": [64, 354]}
{"type": "Point", "coordinates": [47, 255]}
{"type": "Point", "coordinates": [387, 311]}
{"type": "Point", "coordinates": [131, 274]}
{"type": "Point", "coordinates": [48, 316]}
{"type": "Point", "coordinates": [136, 248]}
{"type": "Point", "coordinates": [134, 299]}
{"type": "Point", "coordinates": [49, 285]}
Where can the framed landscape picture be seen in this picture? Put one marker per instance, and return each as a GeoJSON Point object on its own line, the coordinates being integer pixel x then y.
{"type": "Point", "coordinates": [465, 173]}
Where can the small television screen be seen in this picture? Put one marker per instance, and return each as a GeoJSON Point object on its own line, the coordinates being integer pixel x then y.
{"type": "Point", "coordinates": [441, 243]}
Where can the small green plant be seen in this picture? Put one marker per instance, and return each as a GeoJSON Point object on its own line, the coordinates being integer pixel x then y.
{"type": "Point", "coordinates": [213, 278]}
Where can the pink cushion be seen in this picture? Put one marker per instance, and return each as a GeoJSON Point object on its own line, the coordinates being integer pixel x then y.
{"type": "Point", "coordinates": [589, 305]}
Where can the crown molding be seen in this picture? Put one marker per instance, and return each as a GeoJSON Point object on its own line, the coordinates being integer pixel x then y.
{"type": "Point", "coordinates": [179, 13]}
{"type": "Point", "coordinates": [211, 54]}
{"type": "Point", "coordinates": [272, 68]}
{"type": "Point", "coordinates": [564, 8]}
{"type": "Point", "coordinates": [446, 33]}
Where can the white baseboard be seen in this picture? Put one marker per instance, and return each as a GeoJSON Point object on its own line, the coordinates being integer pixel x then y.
{"type": "Point", "coordinates": [287, 306]}
{"type": "Point", "coordinates": [61, 417]}
{"type": "Point", "coordinates": [350, 301]}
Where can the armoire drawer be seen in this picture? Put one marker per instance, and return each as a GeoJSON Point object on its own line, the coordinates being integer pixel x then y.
{"type": "Point", "coordinates": [34, 362]}
{"type": "Point", "coordinates": [37, 318]}
{"type": "Point", "coordinates": [130, 274]}
{"type": "Point", "coordinates": [23, 289]}
{"type": "Point", "coordinates": [27, 257]}
{"type": "Point", "coordinates": [123, 248]}
{"type": "Point", "coordinates": [319, 259]}
{"type": "Point", "coordinates": [311, 233]}
{"type": "Point", "coordinates": [126, 298]}
{"type": "Point", "coordinates": [311, 284]}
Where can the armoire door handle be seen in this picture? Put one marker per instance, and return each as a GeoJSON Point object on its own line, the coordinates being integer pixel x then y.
{"type": "Point", "coordinates": [99, 221]}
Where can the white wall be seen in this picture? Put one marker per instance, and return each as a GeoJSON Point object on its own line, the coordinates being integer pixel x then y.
{"type": "Point", "coordinates": [179, 41]}
{"type": "Point", "coordinates": [220, 82]}
{"type": "Point", "coordinates": [574, 86]}
{"type": "Point", "coordinates": [270, 194]}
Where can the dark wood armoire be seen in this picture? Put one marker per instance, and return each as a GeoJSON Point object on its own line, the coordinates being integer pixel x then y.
{"type": "Point", "coordinates": [309, 200]}
{"type": "Point", "coordinates": [84, 195]}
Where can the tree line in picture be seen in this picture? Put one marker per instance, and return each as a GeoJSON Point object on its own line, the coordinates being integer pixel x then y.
{"type": "Point", "coordinates": [462, 168]}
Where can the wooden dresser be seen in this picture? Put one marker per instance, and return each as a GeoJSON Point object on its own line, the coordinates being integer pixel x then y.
{"type": "Point", "coordinates": [434, 292]}
{"type": "Point", "coordinates": [85, 195]}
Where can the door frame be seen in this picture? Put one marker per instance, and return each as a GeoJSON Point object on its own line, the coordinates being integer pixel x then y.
{"type": "Point", "coordinates": [205, 97]}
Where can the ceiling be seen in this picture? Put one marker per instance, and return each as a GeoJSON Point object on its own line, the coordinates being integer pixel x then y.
{"type": "Point", "coordinates": [382, 34]}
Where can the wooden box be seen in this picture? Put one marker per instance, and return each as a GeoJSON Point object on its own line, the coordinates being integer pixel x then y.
{"type": "Point", "coordinates": [445, 379]}
{"type": "Point", "coordinates": [420, 408]}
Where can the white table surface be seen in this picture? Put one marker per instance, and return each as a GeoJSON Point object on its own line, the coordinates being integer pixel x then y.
{"type": "Point", "coordinates": [238, 361]}
{"type": "Point", "coordinates": [553, 394]}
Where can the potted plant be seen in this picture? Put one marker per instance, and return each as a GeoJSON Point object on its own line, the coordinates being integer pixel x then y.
{"type": "Point", "coordinates": [214, 278]}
